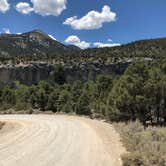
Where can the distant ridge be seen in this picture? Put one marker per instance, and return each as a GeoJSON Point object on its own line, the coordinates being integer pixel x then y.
{"type": "Point", "coordinates": [34, 43]}
{"type": "Point", "coordinates": [150, 48]}
{"type": "Point", "coordinates": [37, 44]}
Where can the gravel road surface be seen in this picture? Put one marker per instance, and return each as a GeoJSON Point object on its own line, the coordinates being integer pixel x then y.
{"type": "Point", "coordinates": [58, 140]}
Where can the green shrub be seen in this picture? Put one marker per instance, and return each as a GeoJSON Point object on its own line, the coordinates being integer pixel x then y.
{"type": "Point", "coordinates": [30, 111]}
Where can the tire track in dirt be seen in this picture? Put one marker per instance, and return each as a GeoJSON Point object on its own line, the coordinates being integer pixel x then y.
{"type": "Point", "coordinates": [48, 140]}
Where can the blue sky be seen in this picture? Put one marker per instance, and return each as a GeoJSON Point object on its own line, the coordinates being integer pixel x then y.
{"type": "Point", "coordinates": [121, 21]}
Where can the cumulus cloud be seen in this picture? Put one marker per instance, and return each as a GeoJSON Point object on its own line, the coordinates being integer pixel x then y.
{"type": "Point", "coordinates": [4, 6]}
{"type": "Point", "coordinates": [24, 8]}
{"type": "Point", "coordinates": [92, 20]}
{"type": "Point", "coordinates": [101, 45]}
{"type": "Point", "coordinates": [49, 7]}
{"type": "Point", "coordinates": [75, 40]}
{"type": "Point", "coordinates": [52, 37]}
{"type": "Point", "coordinates": [42, 7]}
{"type": "Point", "coordinates": [6, 30]}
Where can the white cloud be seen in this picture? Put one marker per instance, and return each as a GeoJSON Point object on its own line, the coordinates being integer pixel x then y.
{"type": "Point", "coordinates": [24, 8]}
{"type": "Point", "coordinates": [6, 30]}
{"type": "Point", "coordinates": [92, 20]}
{"type": "Point", "coordinates": [52, 37]}
{"type": "Point", "coordinates": [101, 45]}
{"type": "Point", "coordinates": [4, 6]}
{"type": "Point", "coordinates": [42, 7]}
{"type": "Point", "coordinates": [49, 7]}
{"type": "Point", "coordinates": [75, 40]}
{"type": "Point", "coordinates": [110, 40]}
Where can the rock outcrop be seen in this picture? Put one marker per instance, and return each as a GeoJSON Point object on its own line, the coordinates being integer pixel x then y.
{"type": "Point", "coordinates": [32, 73]}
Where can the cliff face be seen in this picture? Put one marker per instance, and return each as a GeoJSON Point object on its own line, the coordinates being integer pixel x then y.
{"type": "Point", "coordinates": [25, 74]}
{"type": "Point", "coordinates": [89, 71]}
{"type": "Point", "coordinates": [32, 73]}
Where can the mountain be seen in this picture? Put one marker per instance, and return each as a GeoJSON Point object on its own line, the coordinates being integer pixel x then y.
{"type": "Point", "coordinates": [37, 45]}
{"type": "Point", "coordinates": [34, 43]}
{"type": "Point", "coordinates": [150, 48]}
{"type": "Point", "coordinates": [74, 47]}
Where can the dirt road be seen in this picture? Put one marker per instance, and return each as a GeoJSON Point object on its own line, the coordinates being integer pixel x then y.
{"type": "Point", "coordinates": [48, 140]}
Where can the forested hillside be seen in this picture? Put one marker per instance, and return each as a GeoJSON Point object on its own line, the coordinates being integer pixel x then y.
{"type": "Point", "coordinates": [38, 46]}
{"type": "Point", "coordinates": [154, 48]}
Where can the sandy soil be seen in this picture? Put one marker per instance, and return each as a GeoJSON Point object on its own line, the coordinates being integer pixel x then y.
{"type": "Point", "coordinates": [48, 140]}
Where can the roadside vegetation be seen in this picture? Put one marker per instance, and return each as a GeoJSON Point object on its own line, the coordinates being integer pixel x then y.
{"type": "Point", "coordinates": [146, 147]}
{"type": "Point", "coordinates": [1, 125]}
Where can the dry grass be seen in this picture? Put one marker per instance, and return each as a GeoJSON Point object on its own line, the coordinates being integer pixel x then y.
{"type": "Point", "coordinates": [147, 147]}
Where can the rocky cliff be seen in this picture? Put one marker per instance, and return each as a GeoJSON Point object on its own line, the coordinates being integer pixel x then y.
{"type": "Point", "coordinates": [32, 73]}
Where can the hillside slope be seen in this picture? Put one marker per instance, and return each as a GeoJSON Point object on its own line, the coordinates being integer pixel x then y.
{"type": "Point", "coordinates": [37, 45]}
{"type": "Point", "coordinates": [153, 48]}
{"type": "Point", "coordinates": [34, 43]}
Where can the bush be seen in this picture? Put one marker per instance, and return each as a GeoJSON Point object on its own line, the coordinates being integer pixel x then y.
{"type": "Point", "coordinates": [67, 108]}
{"type": "Point", "coordinates": [30, 111]}
{"type": "Point", "coordinates": [83, 106]}
{"type": "Point", "coordinates": [2, 124]}
{"type": "Point", "coordinates": [147, 147]}
{"type": "Point", "coordinates": [134, 159]}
